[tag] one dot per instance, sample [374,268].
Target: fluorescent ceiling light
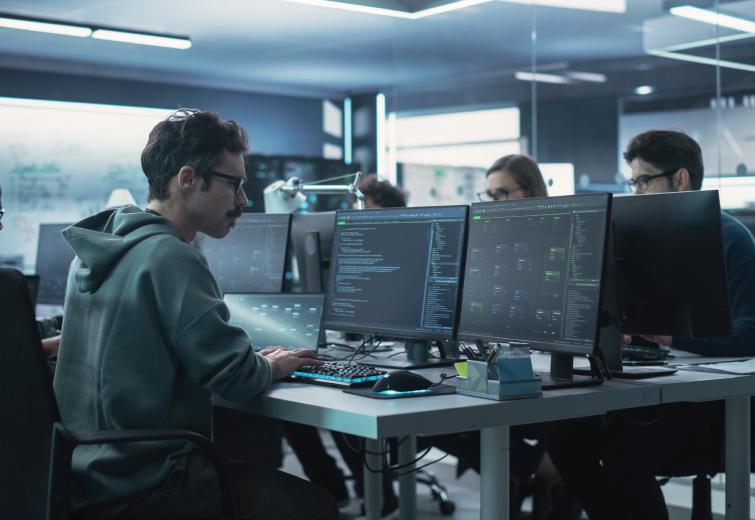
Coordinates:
[85,107]
[614,6]
[610,6]
[54,28]
[591,77]
[724,20]
[141,39]
[644,90]
[544,78]
[705,61]
[391,12]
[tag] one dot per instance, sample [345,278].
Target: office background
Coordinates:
[427,101]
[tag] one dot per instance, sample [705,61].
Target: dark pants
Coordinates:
[192,491]
[632,455]
[318,465]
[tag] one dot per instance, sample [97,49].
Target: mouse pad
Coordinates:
[367,392]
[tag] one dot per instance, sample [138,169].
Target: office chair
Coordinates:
[35,446]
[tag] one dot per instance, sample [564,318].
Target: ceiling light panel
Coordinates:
[141,39]
[711,17]
[543,78]
[53,28]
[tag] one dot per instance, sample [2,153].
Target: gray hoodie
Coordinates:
[145,344]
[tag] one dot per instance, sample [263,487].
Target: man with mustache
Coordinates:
[146,340]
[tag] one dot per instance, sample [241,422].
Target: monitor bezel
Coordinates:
[398,332]
[544,346]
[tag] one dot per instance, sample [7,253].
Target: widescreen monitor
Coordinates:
[397,271]
[289,320]
[252,258]
[534,272]
[54,257]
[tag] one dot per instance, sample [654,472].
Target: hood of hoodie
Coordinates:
[100,240]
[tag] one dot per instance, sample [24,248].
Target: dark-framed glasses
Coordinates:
[641,182]
[238,182]
[499,194]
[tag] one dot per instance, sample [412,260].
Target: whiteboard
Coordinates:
[60,161]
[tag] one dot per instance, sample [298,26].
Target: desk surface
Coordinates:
[330,408]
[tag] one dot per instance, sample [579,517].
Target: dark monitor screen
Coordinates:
[670,267]
[252,258]
[397,271]
[54,257]
[534,271]
[313,257]
[290,320]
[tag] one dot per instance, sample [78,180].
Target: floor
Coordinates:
[464,492]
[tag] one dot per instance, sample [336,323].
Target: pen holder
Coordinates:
[477,376]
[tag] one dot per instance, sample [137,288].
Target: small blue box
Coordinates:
[515,369]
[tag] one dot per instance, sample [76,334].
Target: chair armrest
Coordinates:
[65,441]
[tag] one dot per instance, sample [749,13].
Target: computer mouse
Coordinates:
[400,381]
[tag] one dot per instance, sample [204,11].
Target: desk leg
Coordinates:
[494,473]
[738,458]
[373,482]
[407,484]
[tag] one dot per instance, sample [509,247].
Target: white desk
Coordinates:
[379,419]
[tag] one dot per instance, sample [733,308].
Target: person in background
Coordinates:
[49,345]
[611,465]
[146,340]
[380,194]
[513,177]
[518,177]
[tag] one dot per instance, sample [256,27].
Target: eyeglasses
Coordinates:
[641,182]
[238,182]
[499,194]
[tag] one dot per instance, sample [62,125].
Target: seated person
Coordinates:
[146,340]
[49,345]
[612,467]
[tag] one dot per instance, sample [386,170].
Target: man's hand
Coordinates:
[663,341]
[283,362]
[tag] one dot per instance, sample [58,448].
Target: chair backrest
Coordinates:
[28,408]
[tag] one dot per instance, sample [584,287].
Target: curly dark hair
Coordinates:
[667,150]
[382,193]
[188,137]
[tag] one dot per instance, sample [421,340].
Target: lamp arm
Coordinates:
[294,186]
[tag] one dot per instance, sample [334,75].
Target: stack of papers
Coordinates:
[736,367]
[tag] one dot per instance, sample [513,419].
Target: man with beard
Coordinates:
[146,340]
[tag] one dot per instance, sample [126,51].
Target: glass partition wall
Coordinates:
[568,82]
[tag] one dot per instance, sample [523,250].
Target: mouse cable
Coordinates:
[362,449]
[443,377]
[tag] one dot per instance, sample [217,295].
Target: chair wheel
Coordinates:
[447,507]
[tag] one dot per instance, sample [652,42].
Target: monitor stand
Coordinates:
[562,373]
[416,357]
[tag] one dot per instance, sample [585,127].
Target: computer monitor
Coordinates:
[252,258]
[397,272]
[54,257]
[670,266]
[312,237]
[535,269]
[289,320]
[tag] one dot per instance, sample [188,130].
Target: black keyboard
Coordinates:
[638,353]
[341,375]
